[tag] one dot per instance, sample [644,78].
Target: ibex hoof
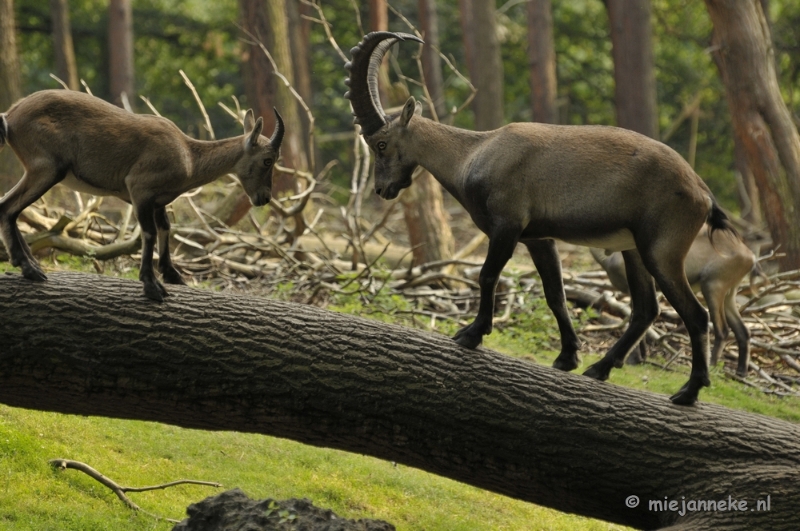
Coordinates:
[566,362]
[155,291]
[468,337]
[171,276]
[598,371]
[33,272]
[687,395]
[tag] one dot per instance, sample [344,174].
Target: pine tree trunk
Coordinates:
[486,71]
[743,52]
[542,61]
[634,70]
[431,62]
[93,345]
[10,89]
[120,50]
[66,67]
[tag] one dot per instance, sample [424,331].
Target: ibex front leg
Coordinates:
[501,246]
[165,266]
[145,213]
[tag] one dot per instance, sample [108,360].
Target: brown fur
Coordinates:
[92,146]
[716,269]
[534,183]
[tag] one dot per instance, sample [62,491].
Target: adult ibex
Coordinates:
[91,146]
[535,183]
[716,269]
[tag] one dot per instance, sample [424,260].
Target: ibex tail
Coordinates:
[3,130]
[718,219]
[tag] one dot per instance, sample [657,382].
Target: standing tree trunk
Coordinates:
[486,70]
[743,52]
[379,21]
[634,72]
[542,61]
[10,89]
[429,233]
[92,345]
[259,86]
[300,34]
[66,67]
[431,62]
[120,50]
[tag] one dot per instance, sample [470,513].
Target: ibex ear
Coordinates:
[409,110]
[252,129]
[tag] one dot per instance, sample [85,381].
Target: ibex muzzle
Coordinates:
[534,183]
[92,146]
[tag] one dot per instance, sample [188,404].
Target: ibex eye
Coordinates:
[381,146]
[267,162]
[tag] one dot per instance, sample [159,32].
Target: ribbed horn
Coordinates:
[277,136]
[363,81]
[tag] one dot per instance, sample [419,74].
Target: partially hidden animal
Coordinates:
[715,269]
[535,183]
[91,146]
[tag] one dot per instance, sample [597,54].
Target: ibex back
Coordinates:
[535,183]
[92,146]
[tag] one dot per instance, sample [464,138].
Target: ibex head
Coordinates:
[260,154]
[385,134]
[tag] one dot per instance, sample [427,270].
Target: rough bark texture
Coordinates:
[542,61]
[429,234]
[10,89]
[634,72]
[66,67]
[743,52]
[486,70]
[120,50]
[93,345]
[431,62]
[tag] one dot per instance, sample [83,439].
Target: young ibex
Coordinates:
[536,183]
[716,269]
[91,146]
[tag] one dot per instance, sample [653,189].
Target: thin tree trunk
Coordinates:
[92,345]
[634,71]
[66,67]
[300,33]
[428,226]
[379,21]
[10,89]
[466,14]
[120,50]
[749,198]
[431,62]
[487,68]
[744,54]
[542,61]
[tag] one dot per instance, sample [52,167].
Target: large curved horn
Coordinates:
[363,81]
[277,136]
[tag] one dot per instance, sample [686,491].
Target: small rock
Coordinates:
[233,511]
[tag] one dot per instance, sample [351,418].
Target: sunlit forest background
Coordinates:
[205,39]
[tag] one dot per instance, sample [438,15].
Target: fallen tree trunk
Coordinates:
[93,345]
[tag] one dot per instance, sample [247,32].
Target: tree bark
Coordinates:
[120,50]
[486,70]
[10,89]
[429,233]
[66,67]
[92,345]
[542,61]
[634,70]
[744,55]
[431,62]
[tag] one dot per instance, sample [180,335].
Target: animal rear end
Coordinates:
[3,130]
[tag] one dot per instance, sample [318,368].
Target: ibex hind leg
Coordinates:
[34,183]
[153,289]
[548,264]
[668,271]
[165,265]
[644,310]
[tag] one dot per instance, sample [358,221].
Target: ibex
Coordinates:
[535,183]
[716,269]
[91,146]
